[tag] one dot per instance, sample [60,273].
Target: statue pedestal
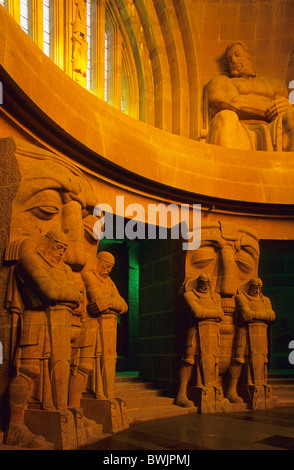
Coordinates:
[57,427]
[112,414]
[258,397]
[210,400]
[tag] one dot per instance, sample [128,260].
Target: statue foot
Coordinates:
[20,436]
[184,402]
[100,396]
[234,398]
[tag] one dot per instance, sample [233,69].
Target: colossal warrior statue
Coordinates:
[203,342]
[230,255]
[255,313]
[104,305]
[46,297]
[248,111]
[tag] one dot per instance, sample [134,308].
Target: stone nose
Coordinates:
[72,225]
[226,284]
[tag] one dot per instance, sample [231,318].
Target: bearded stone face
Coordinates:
[239,62]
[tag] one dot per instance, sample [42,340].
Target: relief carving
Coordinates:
[79,42]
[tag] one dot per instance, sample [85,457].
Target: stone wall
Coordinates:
[276,269]
[161,275]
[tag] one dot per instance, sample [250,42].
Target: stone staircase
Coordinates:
[282,390]
[144,401]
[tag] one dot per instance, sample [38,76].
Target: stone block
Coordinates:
[57,427]
[112,414]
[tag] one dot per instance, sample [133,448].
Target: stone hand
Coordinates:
[99,306]
[247,315]
[276,108]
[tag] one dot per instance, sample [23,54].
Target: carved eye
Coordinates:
[245,261]
[44,212]
[203,263]
[203,257]
[245,267]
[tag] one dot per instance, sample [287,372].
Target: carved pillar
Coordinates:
[79,42]
[99,58]
[115,78]
[36,21]
[13,7]
[58,44]
[68,20]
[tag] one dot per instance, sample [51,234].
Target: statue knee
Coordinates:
[288,120]
[85,368]
[30,370]
[227,117]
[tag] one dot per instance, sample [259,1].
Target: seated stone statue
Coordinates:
[249,111]
[255,313]
[49,296]
[202,346]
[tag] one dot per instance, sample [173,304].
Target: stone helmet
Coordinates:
[256,281]
[204,277]
[106,256]
[57,235]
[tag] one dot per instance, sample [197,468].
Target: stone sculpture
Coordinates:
[48,296]
[203,344]
[230,255]
[80,45]
[94,352]
[255,313]
[104,304]
[248,111]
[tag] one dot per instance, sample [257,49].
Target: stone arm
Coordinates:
[102,299]
[200,312]
[267,314]
[249,314]
[223,95]
[38,280]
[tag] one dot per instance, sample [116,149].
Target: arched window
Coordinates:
[107,59]
[24,15]
[46,27]
[90,37]
[109,73]
[91,41]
